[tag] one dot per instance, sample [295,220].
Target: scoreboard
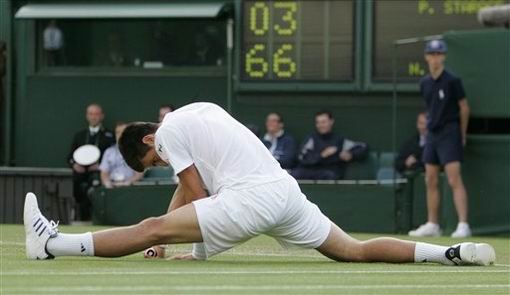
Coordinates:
[318,41]
[400,19]
[308,40]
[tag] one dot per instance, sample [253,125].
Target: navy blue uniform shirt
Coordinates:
[442,98]
[284,150]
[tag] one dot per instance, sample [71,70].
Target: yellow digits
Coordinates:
[254,10]
[280,61]
[256,66]
[288,18]
[415,69]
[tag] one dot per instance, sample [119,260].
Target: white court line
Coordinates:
[243,272]
[504,265]
[8,243]
[68,289]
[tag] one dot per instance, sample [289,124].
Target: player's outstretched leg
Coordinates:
[342,247]
[43,240]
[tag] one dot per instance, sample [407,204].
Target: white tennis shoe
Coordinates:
[471,254]
[38,229]
[462,231]
[426,230]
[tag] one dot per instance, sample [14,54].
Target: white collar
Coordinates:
[270,137]
[94,130]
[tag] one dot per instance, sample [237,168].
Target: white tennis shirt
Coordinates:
[225,152]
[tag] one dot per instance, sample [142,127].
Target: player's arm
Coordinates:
[178,200]
[191,184]
[464,118]
[189,189]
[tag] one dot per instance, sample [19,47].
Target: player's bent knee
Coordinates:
[154,230]
[358,253]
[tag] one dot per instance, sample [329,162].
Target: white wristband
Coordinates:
[199,251]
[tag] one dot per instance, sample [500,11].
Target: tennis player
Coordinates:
[231,189]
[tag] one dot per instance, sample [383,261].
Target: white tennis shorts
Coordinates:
[278,209]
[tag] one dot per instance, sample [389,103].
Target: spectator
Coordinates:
[281,144]
[114,170]
[448,115]
[410,153]
[324,154]
[53,42]
[163,110]
[86,176]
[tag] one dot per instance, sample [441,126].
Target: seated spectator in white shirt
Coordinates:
[114,170]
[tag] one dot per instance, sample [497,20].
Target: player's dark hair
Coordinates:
[324,112]
[131,146]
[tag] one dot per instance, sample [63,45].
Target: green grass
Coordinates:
[259,266]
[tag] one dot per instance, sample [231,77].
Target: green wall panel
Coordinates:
[359,116]
[54,108]
[482,60]
[486,175]
[5,104]
[343,204]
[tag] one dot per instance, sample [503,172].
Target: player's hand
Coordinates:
[78,168]
[184,257]
[410,161]
[330,150]
[154,252]
[464,140]
[346,156]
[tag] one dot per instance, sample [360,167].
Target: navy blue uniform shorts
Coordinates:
[444,146]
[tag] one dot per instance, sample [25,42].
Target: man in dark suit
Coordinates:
[409,157]
[325,154]
[86,176]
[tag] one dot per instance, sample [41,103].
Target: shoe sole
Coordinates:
[485,254]
[477,254]
[32,242]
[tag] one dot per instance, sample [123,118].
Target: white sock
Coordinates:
[424,252]
[463,225]
[71,245]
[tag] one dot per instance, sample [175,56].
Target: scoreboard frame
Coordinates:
[300,86]
[369,83]
[363,63]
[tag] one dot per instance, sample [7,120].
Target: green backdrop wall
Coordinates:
[482,60]
[54,108]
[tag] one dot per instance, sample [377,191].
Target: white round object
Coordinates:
[87,154]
